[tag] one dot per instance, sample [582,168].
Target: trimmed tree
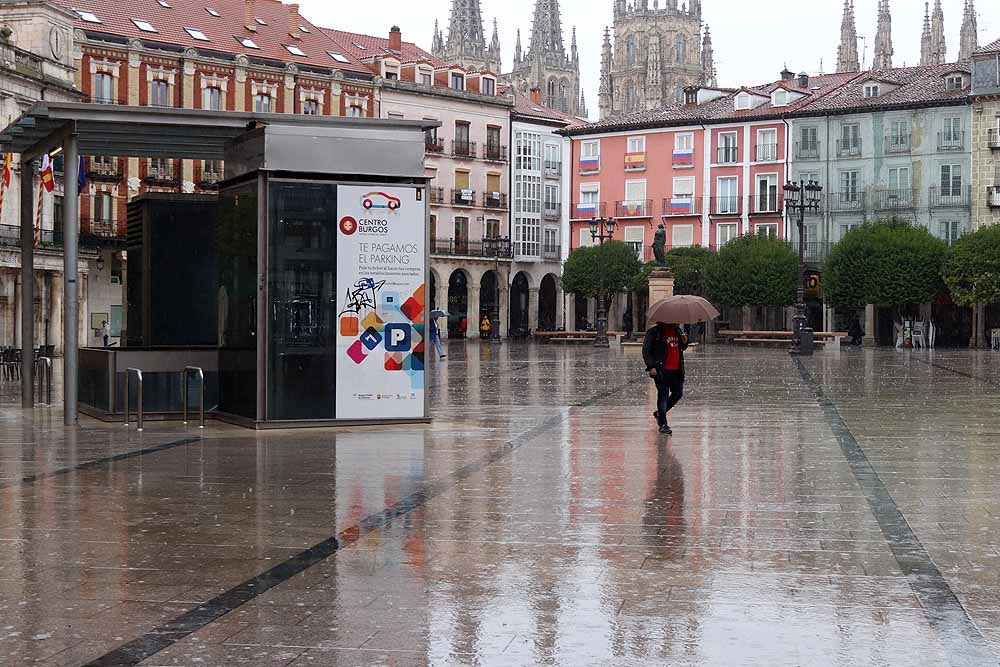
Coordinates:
[972,270]
[753,271]
[610,268]
[888,263]
[687,265]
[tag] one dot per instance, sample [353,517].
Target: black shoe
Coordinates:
[665,428]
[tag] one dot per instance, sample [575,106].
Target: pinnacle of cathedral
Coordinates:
[926,55]
[546,32]
[517,49]
[970,31]
[605,93]
[574,52]
[939,48]
[708,77]
[883,38]
[437,44]
[847,53]
[582,109]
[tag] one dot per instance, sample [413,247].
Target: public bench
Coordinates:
[569,337]
[777,337]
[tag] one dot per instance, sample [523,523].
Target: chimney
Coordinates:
[536,96]
[293,22]
[250,15]
[803,80]
[787,74]
[396,38]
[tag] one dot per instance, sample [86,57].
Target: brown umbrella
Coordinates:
[681,310]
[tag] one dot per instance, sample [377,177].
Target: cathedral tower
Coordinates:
[546,65]
[466,43]
[970,31]
[883,38]
[847,53]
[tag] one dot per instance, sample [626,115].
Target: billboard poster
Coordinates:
[380,302]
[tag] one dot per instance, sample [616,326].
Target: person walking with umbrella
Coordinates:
[664,346]
[436,332]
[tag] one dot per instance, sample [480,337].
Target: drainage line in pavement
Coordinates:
[963,642]
[148,645]
[971,376]
[99,463]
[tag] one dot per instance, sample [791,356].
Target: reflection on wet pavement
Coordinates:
[841,512]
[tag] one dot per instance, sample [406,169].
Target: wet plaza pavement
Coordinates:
[841,510]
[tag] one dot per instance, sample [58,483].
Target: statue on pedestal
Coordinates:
[660,246]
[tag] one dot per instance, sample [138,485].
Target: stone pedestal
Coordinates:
[869,325]
[661,284]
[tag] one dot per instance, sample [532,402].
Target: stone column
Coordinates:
[560,313]
[569,303]
[473,312]
[533,308]
[504,324]
[869,324]
[441,298]
[56,313]
[18,303]
[84,311]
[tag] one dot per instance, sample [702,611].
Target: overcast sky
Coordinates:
[753,40]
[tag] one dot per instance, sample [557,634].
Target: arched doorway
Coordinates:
[489,292]
[434,291]
[458,304]
[548,304]
[582,309]
[519,305]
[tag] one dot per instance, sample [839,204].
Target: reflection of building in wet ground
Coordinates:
[838,512]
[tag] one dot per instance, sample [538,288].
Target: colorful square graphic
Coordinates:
[356,353]
[398,337]
[371,339]
[349,326]
[372,321]
[391,301]
[413,309]
[393,362]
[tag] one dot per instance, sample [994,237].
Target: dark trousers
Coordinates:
[669,392]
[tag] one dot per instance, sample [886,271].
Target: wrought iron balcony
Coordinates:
[897,144]
[494,152]
[100,233]
[847,202]
[893,200]
[953,197]
[494,200]
[463,149]
[728,155]
[551,252]
[731,205]
[951,141]
[434,144]
[465,248]
[105,171]
[589,210]
[436,195]
[10,237]
[552,210]
[463,197]
[848,148]
[993,196]
[681,206]
[993,138]
[772,204]
[807,150]
[766,152]
[553,168]
[634,208]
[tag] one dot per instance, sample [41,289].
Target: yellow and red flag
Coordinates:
[47,176]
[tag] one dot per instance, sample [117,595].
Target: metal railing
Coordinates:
[43,375]
[634,208]
[434,145]
[589,210]
[897,143]
[201,393]
[494,152]
[852,201]
[807,150]
[466,149]
[128,376]
[993,196]
[731,205]
[958,197]
[848,148]
[10,236]
[436,195]
[674,207]
[552,210]
[553,168]
[893,200]
[951,141]
[766,152]
[464,248]
[993,138]
[728,155]
[551,252]
[495,200]
[462,197]
[771,204]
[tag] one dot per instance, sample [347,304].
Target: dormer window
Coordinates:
[872,90]
[489,87]
[426,77]
[145,26]
[954,82]
[779,98]
[457,81]
[691,96]
[743,102]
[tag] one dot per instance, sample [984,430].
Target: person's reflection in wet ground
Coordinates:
[663,522]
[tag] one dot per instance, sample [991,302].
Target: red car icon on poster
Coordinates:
[380,200]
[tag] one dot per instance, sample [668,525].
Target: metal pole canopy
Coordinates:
[27,285]
[71,304]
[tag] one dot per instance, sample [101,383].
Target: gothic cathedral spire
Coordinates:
[605,93]
[546,30]
[883,38]
[939,48]
[970,31]
[466,44]
[546,65]
[926,51]
[708,77]
[847,53]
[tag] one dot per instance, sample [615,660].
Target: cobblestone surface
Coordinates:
[838,511]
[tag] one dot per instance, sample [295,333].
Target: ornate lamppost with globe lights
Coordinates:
[799,198]
[601,230]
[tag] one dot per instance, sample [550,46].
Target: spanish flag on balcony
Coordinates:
[683,158]
[635,161]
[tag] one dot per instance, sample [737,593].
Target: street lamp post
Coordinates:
[799,198]
[496,247]
[602,229]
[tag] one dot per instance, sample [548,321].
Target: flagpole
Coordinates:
[38,216]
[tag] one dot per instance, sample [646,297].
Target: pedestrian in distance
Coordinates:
[485,328]
[627,323]
[106,333]
[436,338]
[663,351]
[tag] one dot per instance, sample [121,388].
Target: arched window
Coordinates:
[631,96]
[680,49]
[552,94]
[562,96]
[631,50]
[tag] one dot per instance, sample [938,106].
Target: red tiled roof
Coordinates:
[379,46]
[989,48]
[523,106]
[222,31]
[914,85]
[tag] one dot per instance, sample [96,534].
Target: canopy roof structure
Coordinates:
[150,132]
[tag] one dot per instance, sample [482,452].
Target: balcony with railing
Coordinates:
[553,168]
[681,206]
[766,152]
[495,200]
[98,233]
[893,200]
[993,139]
[463,149]
[852,201]
[951,141]
[728,155]
[463,197]
[162,175]
[10,237]
[494,152]
[552,210]
[635,161]
[727,206]
[104,170]
[953,197]
[770,204]
[487,248]
[436,195]
[589,210]
[634,208]
[552,252]
[896,144]
[848,148]
[21,61]
[434,144]
[993,196]
[807,150]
